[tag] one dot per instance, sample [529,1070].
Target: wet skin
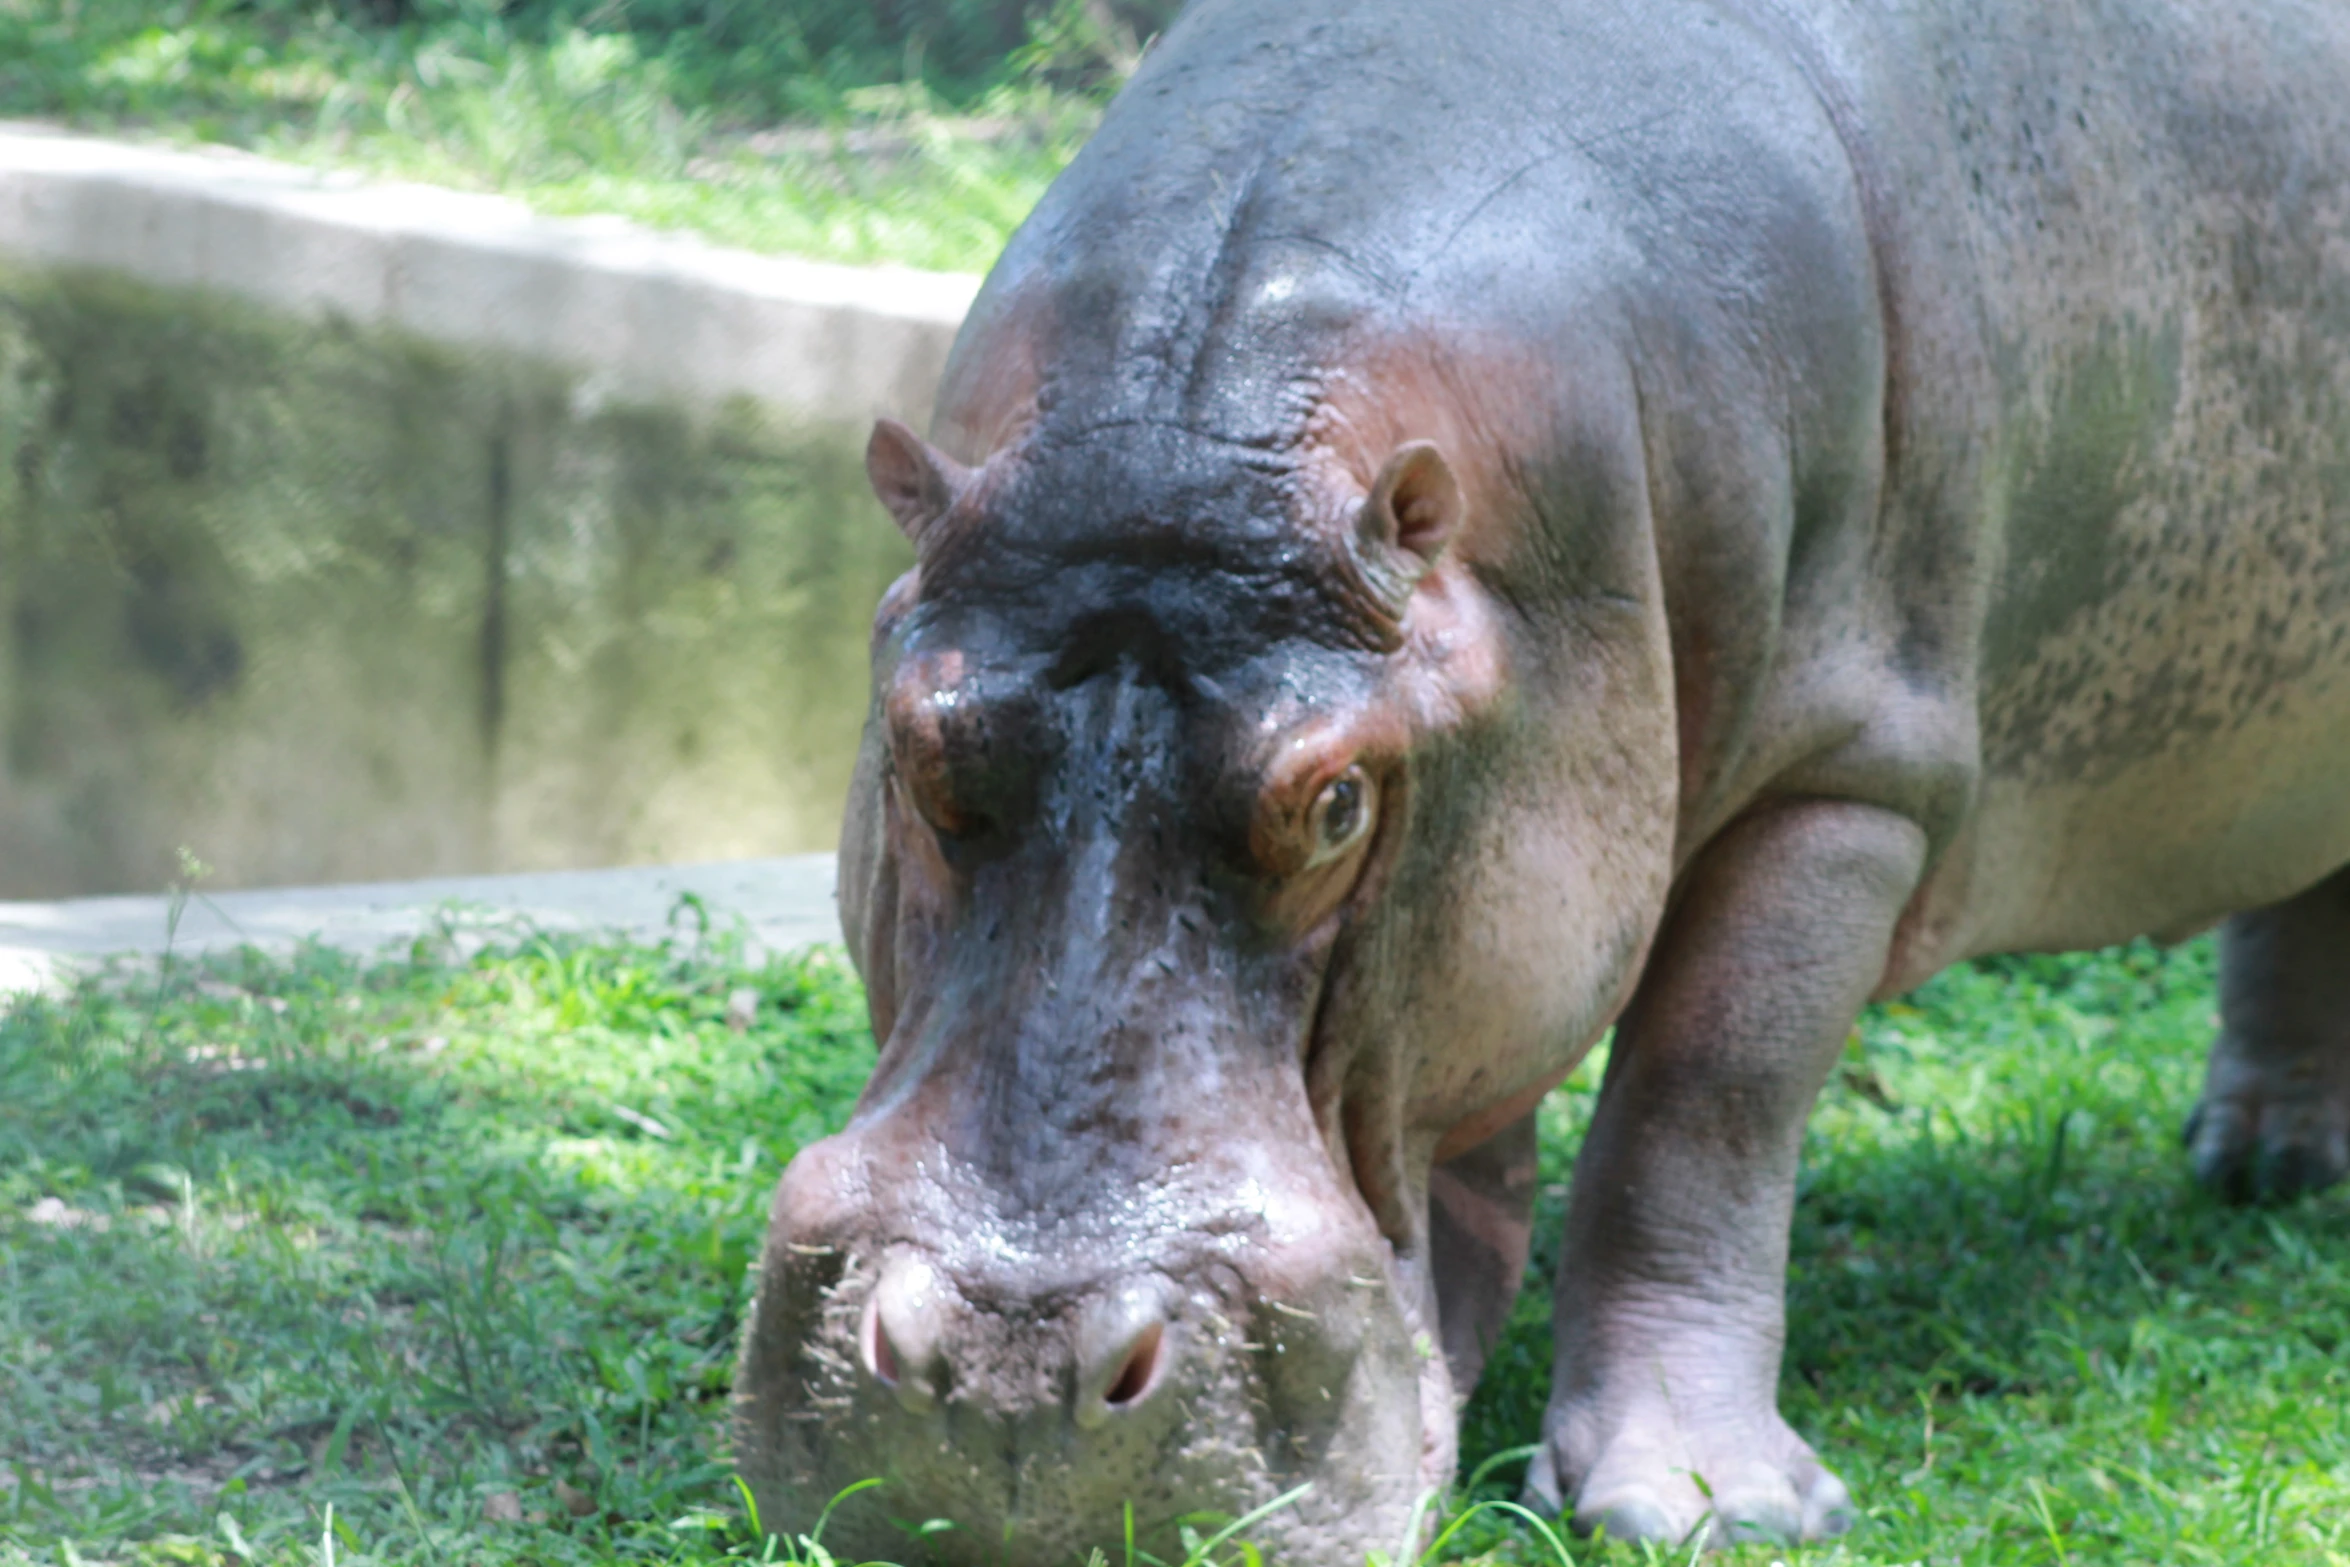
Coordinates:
[1457,526]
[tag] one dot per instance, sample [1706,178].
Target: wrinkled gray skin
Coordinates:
[1462,522]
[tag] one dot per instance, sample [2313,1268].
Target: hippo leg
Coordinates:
[1480,1224]
[1671,1301]
[2275,1117]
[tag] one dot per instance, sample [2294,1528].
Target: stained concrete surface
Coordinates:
[324,604]
[350,533]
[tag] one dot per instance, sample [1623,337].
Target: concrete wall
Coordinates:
[348,535]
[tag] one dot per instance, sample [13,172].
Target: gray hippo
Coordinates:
[1462,523]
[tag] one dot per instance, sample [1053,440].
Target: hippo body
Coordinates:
[1457,526]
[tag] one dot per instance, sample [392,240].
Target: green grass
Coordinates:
[2015,1327]
[751,140]
[456,1247]
[408,1239]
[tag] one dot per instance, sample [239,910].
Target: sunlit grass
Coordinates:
[568,118]
[456,1246]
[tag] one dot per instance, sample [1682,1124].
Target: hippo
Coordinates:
[1462,525]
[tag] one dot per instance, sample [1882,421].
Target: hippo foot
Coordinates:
[1648,1480]
[2267,1137]
[2275,1116]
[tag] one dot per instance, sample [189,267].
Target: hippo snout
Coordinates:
[1033,1384]
[1112,1343]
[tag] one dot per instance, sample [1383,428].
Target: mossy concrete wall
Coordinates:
[322,600]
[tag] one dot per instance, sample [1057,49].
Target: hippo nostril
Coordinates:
[880,1358]
[1123,1353]
[1141,1366]
[903,1338]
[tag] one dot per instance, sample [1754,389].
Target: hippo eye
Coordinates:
[935,803]
[1341,815]
[929,723]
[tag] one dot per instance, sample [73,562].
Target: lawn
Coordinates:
[441,1259]
[808,128]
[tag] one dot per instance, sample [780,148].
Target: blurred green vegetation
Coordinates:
[856,130]
[455,1246]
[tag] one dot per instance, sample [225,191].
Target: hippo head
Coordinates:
[1178,756]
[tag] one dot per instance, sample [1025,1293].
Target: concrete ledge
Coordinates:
[782,903]
[367,531]
[661,316]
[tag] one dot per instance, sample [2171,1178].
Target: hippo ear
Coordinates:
[1411,514]
[914,479]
